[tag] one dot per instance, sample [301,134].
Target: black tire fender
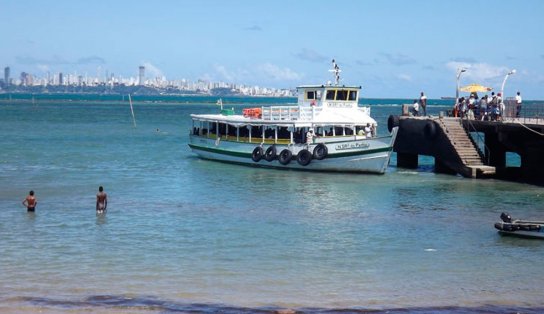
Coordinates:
[270,153]
[320,151]
[430,130]
[285,157]
[257,154]
[304,157]
[392,122]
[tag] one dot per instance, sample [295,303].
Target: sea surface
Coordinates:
[185,235]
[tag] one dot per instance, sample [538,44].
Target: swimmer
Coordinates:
[101,201]
[30,202]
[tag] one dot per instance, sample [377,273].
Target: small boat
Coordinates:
[520,228]
[326,131]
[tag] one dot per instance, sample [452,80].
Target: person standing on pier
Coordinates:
[423,101]
[518,104]
[415,108]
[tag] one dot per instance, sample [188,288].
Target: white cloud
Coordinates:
[310,55]
[258,73]
[404,77]
[43,67]
[276,73]
[224,73]
[152,70]
[479,72]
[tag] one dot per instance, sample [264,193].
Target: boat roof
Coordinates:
[328,87]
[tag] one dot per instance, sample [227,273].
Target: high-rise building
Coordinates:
[61,79]
[6,76]
[141,75]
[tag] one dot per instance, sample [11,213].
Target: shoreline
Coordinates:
[153,304]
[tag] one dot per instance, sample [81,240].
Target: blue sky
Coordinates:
[391,48]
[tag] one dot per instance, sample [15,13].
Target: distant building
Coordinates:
[26,79]
[141,75]
[6,76]
[61,79]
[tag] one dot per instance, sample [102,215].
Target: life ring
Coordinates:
[320,151]
[304,157]
[257,154]
[285,157]
[313,103]
[270,153]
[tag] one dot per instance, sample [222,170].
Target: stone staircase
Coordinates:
[465,147]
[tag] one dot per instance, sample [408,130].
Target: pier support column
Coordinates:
[531,164]
[497,151]
[405,160]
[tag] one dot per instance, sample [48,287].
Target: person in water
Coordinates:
[101,201]
[30,202]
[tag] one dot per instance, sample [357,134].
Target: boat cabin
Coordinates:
[328,96]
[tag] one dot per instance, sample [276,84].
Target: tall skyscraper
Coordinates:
[141,75]
[6,76]
[61,79]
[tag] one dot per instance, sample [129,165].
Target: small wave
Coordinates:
[150,303]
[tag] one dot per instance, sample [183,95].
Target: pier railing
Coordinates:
[529,113]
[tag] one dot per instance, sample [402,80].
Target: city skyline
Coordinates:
[25,79]
[391,48]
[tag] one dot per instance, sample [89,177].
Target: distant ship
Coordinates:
[447,98]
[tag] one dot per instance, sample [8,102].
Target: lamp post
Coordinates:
[459,71]
[504,82]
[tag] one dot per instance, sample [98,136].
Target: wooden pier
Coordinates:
[472,148]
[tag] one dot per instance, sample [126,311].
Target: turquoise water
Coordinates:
[183,234]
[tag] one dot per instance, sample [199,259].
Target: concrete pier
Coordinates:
[471,148]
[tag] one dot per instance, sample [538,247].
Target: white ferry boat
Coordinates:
[326,131]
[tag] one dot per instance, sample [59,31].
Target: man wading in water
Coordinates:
[30,202]
[101,201]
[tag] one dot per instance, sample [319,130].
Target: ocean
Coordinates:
[185,235]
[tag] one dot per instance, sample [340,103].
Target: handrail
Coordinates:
[487,151]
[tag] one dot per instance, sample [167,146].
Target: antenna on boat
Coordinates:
[336,70]
[131,110]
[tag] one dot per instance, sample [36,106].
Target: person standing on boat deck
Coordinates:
[518,104]
[423,101]
[30,202]
[310,137]
[368,130]
[101,201]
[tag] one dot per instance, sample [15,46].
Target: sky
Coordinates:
[393,49]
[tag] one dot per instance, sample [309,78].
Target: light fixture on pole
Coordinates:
[504,82]
[459,71]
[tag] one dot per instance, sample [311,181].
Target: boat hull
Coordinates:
[357,155]
[523,234]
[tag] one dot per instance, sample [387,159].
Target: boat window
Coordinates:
[352,95]
[310,95]
[330,94]
[342,95]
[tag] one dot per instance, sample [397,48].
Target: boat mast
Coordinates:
[336,70]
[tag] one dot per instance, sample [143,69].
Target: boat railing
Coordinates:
[276,113]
